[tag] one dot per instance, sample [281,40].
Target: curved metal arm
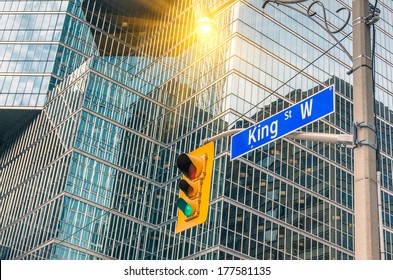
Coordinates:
[282,2]
[310,15]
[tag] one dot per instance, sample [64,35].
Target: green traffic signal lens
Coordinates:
[184,207]
[188,210]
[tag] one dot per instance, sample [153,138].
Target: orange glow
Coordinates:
[206,27]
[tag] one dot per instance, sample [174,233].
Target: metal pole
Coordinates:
[365,173]
[381,241]
[341,139]
[220,135]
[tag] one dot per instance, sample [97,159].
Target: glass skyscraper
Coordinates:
[98,98]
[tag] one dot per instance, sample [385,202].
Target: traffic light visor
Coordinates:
[189,188]
[190,166]
[186,208]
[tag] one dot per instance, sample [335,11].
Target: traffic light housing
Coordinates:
[193,201]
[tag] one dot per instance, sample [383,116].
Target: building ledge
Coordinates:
[13,118]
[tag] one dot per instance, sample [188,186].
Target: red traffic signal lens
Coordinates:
[186,166]
[192,171]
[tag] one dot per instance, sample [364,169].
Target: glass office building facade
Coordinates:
[126,86]
[38,49]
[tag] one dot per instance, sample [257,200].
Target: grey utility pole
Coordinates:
[365,171]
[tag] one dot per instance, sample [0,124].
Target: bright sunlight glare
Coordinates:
[205,27]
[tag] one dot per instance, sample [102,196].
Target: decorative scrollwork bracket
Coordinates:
[310,14]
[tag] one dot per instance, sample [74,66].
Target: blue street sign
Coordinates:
[292,118]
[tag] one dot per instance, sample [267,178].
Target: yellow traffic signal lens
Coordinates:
[190,189]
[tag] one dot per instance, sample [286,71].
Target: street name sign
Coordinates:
[277,126]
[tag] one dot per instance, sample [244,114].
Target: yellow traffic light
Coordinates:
[193,203]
